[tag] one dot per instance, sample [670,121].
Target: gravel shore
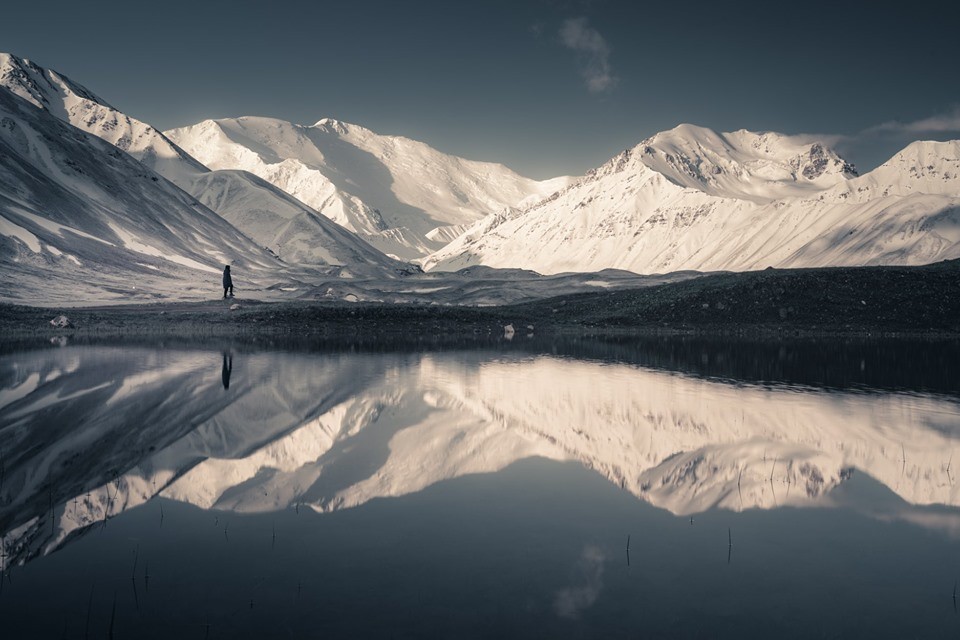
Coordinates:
[864,301]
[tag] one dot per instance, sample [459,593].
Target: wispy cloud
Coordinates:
[871,146]
[942,123]
[570,602]
[594,52]
[829,139]
[892,130]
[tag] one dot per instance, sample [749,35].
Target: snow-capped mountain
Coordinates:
[685,199]
[402,196]
[79,220]
[691,198]
[289,431]
[744,165]
[269,216]
[922,167]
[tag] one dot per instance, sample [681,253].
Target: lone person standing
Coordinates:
[227,282]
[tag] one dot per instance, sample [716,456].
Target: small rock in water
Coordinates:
[61,322]
[234,307]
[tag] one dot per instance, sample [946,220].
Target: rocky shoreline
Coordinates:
[864,301]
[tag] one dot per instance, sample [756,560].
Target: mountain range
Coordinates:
[400,195]
[272,218]
[691,198]
[79,219]
[153,215]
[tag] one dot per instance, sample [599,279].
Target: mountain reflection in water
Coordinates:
[532,489]
[90,432]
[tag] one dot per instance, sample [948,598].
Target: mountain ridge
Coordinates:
[767,165]
[393,191]
[261,211]
[649,211]
[79,218]
[686,199]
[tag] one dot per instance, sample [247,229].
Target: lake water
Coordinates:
[647,488]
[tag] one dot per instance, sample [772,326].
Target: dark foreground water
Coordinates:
[675,488]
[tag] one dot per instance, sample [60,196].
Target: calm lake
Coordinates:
[653,488]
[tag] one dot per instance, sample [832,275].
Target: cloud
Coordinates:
[594,52]
[872,146]
[942,123]
[946,523]
[570,602]
[828,139]
[892,131]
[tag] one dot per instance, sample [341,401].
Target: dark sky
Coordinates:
[546,87]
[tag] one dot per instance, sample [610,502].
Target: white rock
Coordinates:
[234,307]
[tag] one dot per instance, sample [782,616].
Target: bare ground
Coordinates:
[890,301]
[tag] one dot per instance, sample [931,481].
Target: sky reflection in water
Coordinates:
[233,492]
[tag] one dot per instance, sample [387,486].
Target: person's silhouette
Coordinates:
[227,282]
[227,369]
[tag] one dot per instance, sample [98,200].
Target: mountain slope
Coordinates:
[266,214]
[401,195]
[290,229]
[81,220]
[694,200]
[922,167]
[761,167]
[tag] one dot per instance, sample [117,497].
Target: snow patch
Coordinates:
[10,229]
[57,228]
[132,243]
[10,395]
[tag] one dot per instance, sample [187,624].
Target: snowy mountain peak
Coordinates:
[73,103]
[928,154]
[333,125]
[81,220]
[760,167]
[401,195]
[266,214]
[922,167]
[692,198]
[43,88]
[932,167]
[687,134]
